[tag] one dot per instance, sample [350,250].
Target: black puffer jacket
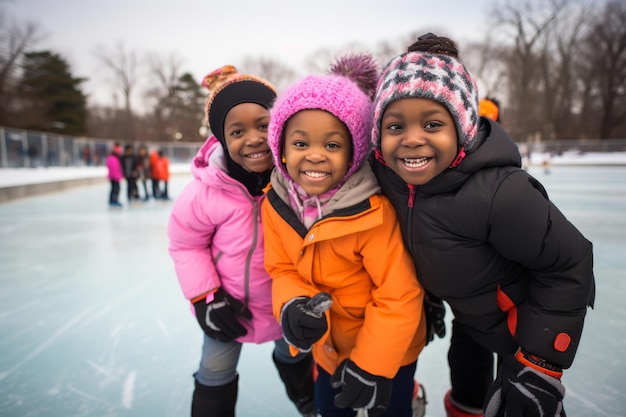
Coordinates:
[486,239]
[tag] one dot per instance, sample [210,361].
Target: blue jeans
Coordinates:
[218,365]
[399,404]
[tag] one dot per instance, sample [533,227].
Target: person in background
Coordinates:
[216,242]
[115,174]
[489,107]
[129,167]
[87,155]
[153,160]
[162,175]
[143,169]
[328,230]
[485,237]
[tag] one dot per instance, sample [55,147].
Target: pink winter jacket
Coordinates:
[216,239]
[114,167]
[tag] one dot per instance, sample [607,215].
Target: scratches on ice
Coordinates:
[89,396]
[163,329]
[128,392]
[76,321]
[101,370]
[82,318]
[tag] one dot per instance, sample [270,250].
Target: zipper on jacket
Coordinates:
[255,238]
[256,223]
[409,222]
[411,200]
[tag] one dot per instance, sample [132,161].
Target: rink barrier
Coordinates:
[14,192]
[17,183]
[32,149]
[26,149]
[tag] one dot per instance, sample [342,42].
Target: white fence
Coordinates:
[31,149]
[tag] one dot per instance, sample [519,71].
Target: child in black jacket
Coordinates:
[484,236]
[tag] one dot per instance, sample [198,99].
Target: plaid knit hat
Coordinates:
[436,77]
[228,88]
[346,92]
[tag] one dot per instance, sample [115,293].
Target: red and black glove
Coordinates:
[218,318]
[526,386]
[360,389]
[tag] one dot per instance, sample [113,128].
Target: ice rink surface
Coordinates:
[93,322]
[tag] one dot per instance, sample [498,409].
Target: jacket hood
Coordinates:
[494,148]
[360,186]
[209,160]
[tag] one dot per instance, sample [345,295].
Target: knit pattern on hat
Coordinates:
[220,78]
[340,95]
[436,77]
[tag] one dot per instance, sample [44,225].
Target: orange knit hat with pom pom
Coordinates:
[228,88]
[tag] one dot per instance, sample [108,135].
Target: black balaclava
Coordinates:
[245,91]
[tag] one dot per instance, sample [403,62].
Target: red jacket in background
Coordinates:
[159,166]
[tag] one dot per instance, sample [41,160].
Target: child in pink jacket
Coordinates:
[216,242]
[115,174]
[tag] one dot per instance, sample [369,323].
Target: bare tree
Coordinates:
[385,50]
[319,61]
[487,60]
[164,72]
[525,24]
[557,73]
[122,64]
[277,73]
[603,71]
[15,39]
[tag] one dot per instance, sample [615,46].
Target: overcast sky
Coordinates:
[208,34]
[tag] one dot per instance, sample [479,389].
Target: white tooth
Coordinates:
[416,163]
[256,155]
[315,174]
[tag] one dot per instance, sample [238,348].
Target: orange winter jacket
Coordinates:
[357,255]
[160,167]
[154,159]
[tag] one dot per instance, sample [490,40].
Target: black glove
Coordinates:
[302,325]
[522,391]
[435,312]
[361,389]
[218,318]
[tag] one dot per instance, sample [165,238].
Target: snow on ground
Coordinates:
[20,176]
[10,177]
[577,158]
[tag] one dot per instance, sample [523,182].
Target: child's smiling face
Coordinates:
[418,139]
[317,149]
[245,132]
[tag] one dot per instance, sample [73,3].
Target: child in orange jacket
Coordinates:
[328,229]
[160,169]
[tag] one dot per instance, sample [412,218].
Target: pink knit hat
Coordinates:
[346,92]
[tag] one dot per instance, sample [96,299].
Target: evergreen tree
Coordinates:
[51,98]
[178,112]
[190,100]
